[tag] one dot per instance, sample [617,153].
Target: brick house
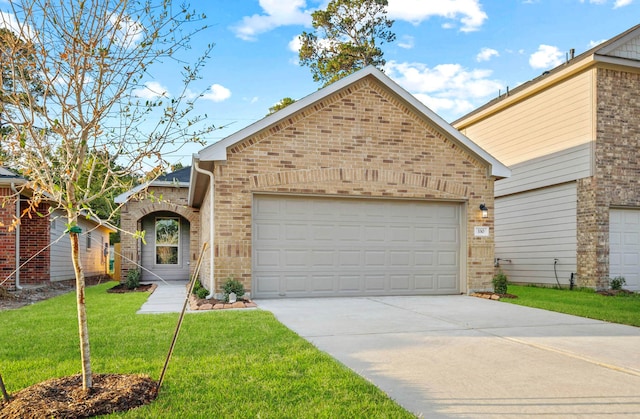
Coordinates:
[32,253]
[356,189]
[164,256]
[572,139]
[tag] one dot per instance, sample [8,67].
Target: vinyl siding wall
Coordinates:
[549,122]
[553,169]
[93,260]
[534,228]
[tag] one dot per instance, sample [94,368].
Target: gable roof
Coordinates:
[178,179]
[218,151]
[623,49]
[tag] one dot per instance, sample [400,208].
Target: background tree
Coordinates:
[346,38]
[284,102]
[82,136]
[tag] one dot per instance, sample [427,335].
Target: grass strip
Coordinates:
[584,302]
[231,364]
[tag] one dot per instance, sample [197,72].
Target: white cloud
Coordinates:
[217,93]
[9,21]
[295,44]
[622,3]
[595,43]
[151,90]
[616,3]
[128,31]
[276,13]
[546,57]
[447,88]
[468,12]
[486,54]
[407,42]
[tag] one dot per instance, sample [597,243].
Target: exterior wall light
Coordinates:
[485,211]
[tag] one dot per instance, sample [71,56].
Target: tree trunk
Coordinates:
[87,378]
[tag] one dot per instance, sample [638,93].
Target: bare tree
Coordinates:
[85,131]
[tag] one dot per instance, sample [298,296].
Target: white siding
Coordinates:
[548,122]
[93,260]
[624,246]
[534,228]
[553,169]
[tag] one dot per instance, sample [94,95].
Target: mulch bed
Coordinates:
[64,397]
[613,293]
[122,288]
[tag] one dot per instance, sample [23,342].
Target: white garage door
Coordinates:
[624,246]
[307,247]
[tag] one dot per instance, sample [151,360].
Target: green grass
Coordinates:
[226,364]
[624,309]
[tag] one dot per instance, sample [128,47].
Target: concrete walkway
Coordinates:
[466,357]
[168,297]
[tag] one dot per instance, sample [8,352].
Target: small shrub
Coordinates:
[232,286]
[617,282]
[133,278]
[199,290]
[500,283]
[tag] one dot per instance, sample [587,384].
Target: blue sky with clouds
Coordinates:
[453,55]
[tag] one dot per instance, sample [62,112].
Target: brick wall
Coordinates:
[7,238]
[34,236]
[617,178]
[361,141]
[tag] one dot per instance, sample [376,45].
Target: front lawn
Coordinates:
[624,309]
[226,364]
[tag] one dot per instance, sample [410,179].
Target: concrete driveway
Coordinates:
[459,356]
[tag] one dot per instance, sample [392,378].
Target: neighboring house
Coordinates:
[169,250]
[572,140]
[33,246]
[357,189]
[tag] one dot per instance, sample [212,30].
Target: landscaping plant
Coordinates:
[232,286]
[500,283]
[617,282]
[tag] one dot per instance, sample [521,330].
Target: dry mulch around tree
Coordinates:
[492,295]
[64,397]
[122,288]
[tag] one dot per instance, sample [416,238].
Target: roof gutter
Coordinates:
[17,250]
[212,283]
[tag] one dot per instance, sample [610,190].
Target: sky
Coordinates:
[453,55]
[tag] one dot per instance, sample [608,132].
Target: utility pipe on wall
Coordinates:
[212,287]
[17,251]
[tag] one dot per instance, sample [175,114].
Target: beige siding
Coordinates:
[553,169]
[534,228]
[93,260]
[553,120]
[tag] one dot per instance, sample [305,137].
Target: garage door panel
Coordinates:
[267,258]
[624,246]
[349,283]
[425,283]
[328,247]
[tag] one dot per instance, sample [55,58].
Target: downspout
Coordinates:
[17,252]
[211,230]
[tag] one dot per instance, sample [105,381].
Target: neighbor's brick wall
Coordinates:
[167,198]
[34,236]
[617,177]
[360,141]
[7,238]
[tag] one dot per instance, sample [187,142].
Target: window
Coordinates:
[89,240]
[167,241]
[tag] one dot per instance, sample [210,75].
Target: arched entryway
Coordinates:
[165,255]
